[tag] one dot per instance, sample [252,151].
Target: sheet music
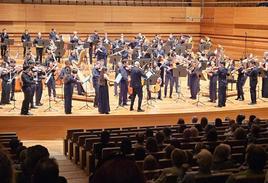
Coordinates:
[118,78]
[149,74]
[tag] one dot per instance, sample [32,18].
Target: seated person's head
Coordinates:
[151,145]
[46,170]
[256,158]
[150,163]
[240,119]
[198,147]
[149,133]
[175,142]
[160,137]
[6,172]
[255,130]
[221,153]
[34,154]
[118,170]
[139,153]
[168,150]
[140,138]
[240,134]
[167,132]
[105,137]
[204,161]
[218,122]
[181,121]
[181,128]
[178,157]
[126,146]
[204,122]
[194,120]
[194,131]
[212,135]
[251,118]
[187,133]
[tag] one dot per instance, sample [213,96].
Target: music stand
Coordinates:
[14,102]
[202,78]
[180,72]
[9,42]
[151,80]
[86,106]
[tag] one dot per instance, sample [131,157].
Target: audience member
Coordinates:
[221,158]
[181,121]
[151,145]
[150,163]
[140,140]
[6,171]
[139,153]
[149,133]
[126,146]
[240,119]
[194,120]
[160,137]
[168,150]
[218,122]
[167,133]
[240,134]
[204,122]
[194,132]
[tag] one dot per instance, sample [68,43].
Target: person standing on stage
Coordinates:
[25,38]
[6,84]
[95,78]
[169,80]
[33,86]
[194,79]
[222,82]
[13,80]
[70,78]
[265,78]
[27,82]
[253,73]
[123,84]
[103,99]
[4,37]
[101,54]
[241,80]
[51,83]
[39,45]
[40,75]
[53,35]
[74,39]
[213,78]
[136,74]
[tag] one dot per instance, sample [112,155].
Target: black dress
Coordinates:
[265,85]
[103,100]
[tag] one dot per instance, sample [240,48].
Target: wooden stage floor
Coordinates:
[53,125]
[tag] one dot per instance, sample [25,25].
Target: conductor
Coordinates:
[135,75]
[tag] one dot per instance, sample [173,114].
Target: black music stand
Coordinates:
[27,44]
[180,72]
[14,102]
[150,81]
[50,108]
[86,106]
[9,42]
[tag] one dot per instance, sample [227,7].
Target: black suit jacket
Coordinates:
[136,74]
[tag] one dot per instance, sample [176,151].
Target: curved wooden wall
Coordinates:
[231,26]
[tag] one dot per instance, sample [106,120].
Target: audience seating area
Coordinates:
[85,148]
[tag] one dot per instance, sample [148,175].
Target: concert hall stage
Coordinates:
[53,125]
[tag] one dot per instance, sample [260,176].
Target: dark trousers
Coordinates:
[123,92]
[136,91]
[80,89]
[24,51]
[176,82]
[222,95]
[213,89]
[39,54]
[169,80]
[68,94]
[3,50]
[12,91]
[32,95]
[96,87]
[90,52]
[239,87]
[253,93]
[38,92]
[5,97]
[26,101]
[51,88]
[115,88]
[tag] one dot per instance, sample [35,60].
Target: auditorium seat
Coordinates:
[245,179]
[214,178]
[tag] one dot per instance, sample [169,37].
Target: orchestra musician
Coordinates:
[40,75]
[265,78]
[169,80]
[241,80]
[14,71]
[29,57]
[222,82]
[73,58]
[27,82]
[53,35]
[123,70]
[31,64]
[39,45]
[213,78]
[253,73]
[101,53]
[95,79]
[103,98]
[90,49]
[51,83]
[135,75]
[70,78]
[74,39]
[25,38]
[4,37]
[6,84]
[194,79]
